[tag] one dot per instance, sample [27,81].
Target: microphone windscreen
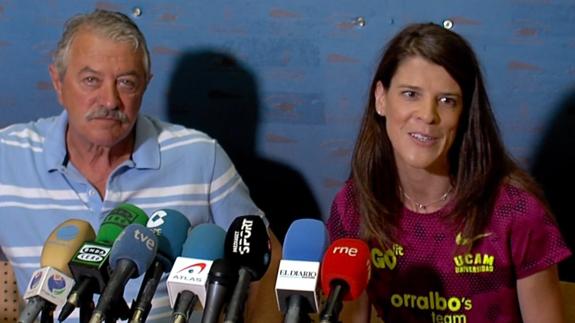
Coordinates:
[248,245]
[171,227]
[223,272]
[63,242]
[115,222]
[205,241]
[305,240]
[346,260]
[136,243]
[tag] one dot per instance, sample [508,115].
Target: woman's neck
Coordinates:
[425,192]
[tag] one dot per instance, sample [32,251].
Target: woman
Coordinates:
[457,231]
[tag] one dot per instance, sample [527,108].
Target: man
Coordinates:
[101,152]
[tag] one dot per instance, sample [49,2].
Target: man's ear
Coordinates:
[149,78]
[380,96]
[56,82]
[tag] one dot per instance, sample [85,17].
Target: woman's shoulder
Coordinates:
[515,202]
[345,199]
[344,219]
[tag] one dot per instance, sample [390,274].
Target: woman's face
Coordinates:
[422,107]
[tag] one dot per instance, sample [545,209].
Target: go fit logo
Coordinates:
[386,259]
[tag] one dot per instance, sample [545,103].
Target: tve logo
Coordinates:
[148,241]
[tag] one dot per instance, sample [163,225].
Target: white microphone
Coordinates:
[50,285]
[297,283]
[187,281]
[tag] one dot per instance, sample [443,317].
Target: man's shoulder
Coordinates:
[170,132]
[31,130]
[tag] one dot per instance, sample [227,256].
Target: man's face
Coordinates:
[102,88]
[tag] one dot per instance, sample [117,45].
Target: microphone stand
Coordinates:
[47,315]
[185,303]
[119,311]
[143,304]
[86,304]
[235,309]
[330,313]
[297,310]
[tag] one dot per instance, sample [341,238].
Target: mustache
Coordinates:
[102,112]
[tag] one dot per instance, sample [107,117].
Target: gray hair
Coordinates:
[112,25]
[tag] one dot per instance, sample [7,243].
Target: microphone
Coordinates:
[89,266]
[187,280]
[344,275]
[51,284]
[297,281]
[171,227]
[222,277]
[131,255]
[248,246]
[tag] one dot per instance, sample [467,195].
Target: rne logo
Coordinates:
[350,251]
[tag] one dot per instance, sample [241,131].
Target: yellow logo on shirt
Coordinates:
[473,262]
[461,241]
[386,259]
[443,309]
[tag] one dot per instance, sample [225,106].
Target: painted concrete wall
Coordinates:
[281,84]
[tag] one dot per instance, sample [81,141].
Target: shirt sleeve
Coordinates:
[343,221]
[2,255]
[229,195]
[536,240]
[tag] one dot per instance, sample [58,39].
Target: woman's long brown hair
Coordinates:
[478,161]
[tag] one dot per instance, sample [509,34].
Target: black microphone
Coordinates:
[89,266]
[248,246]
[130,256]
[222,278]
[171,227]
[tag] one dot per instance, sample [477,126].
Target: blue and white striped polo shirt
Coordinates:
[171,167]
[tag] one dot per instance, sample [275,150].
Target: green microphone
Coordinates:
[117,220]
[89,266]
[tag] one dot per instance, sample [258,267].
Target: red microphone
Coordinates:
[344,275]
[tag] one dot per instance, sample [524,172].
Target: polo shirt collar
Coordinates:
[146,147]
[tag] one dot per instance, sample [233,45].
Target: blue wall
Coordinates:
[282,83]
